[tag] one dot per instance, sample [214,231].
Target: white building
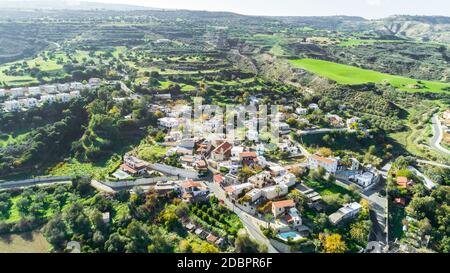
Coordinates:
[94,82]
[288,179]
[17,92]
[252,135]
[329,164]
[284,128]
[76,86]
[346,212]
[280,207]
[167,122]
[260,180]
[34,91]
[313,106]
[277,170]
[28,103]
[293,217]
[235,190]
[63,97]
[48,98]
[65,87]
[50,89]
[74,94]
[11,105]
[301,111]
[2,93]
[275,191]
[235,151]
[254,194]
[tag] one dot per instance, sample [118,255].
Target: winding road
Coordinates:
[247,219]
[438,135]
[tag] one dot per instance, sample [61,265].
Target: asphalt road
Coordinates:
[438,135]
[247,220]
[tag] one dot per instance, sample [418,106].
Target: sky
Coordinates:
[365,8]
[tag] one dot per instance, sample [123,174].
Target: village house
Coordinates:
[235,190]
[219,179]
[252,135]
[335,120]
[2,93]
[261,179]
[106,217]
[168,122]
[74,94]
[17,92]
[280,207]
[133,166]
[330,164]
[205,147]
[94,82]
[190,190]
[277,170]
[301,111]
[365,179]
[221,152]
[313,106]
[200,165]
[248,158]
[235,151]
[284,128]
[254,195]
[50,89]
[346,212]
[48,98]
[12,105]
[76,86]
[28,103]
[275,191]
[230,179]
[63,97]
[64,87]
[34,91]
[404,182]
[287,179]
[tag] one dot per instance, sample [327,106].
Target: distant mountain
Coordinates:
[424,28]
[66,5]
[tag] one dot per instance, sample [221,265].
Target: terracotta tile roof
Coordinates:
[322,159]
[229,189]
[402,179]
[248,154]
[218,178]
[211,238]
[283,204]
[128,169]
[222,148]
[190,184]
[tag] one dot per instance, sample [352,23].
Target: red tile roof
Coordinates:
[248,154]
[128,169]
[211,238]
[218,178]
[190,184]
[222,148]
[322,159]
[283,204]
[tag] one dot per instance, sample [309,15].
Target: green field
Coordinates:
[30,242]
[357,42]
[346,74]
